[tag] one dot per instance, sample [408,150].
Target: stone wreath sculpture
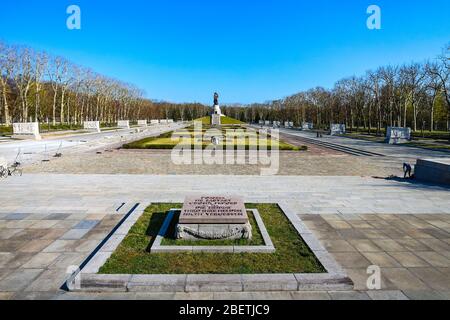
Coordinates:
[245,231]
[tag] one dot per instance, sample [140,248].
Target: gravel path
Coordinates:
[314,162]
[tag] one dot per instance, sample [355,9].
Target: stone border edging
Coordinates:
[268,246]
[89,281]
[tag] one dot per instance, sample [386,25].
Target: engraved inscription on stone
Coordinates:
[213,210]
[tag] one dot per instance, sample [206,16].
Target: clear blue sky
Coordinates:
[248,50]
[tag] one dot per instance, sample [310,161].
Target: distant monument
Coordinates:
[217,113]
[28,130]
[396,135]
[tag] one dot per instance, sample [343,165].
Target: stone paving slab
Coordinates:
[308,195]
[417,241]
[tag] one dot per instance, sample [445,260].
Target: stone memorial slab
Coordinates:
[142,123]
[26,130]
[307,126]
[267,123]
[153,122]
[213,217]
[213,210]
[395,135]
[92,126]
[337,129]
[125,124]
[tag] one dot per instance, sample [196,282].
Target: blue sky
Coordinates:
[249,51]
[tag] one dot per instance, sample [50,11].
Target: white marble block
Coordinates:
[123,124]
[396,135]
[26,130]
[92,126]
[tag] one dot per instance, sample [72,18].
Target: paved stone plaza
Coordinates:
[49,222]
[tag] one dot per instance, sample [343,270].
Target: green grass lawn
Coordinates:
[172,139]
[223,120]
[132,256]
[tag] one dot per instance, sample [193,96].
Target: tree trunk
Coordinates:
[6,108]
[55,95]
[62,115]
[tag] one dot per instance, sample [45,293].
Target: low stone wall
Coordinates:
[433,170]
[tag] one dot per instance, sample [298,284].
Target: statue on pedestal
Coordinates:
[216,109]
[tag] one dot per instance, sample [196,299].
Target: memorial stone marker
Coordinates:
[125,124]
[142,123]
[92,126]
[26,130]
[213,218]
[307,126]
[396,135]
[337,129]
[153,122]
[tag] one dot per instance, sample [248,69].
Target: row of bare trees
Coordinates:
[36,86]
[414,95]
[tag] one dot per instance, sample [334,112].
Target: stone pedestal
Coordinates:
[216,120]
[213,218]
[142,123]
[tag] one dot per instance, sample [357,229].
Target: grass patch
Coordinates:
[170,240]
[132,257]
[223,120]
[172,139]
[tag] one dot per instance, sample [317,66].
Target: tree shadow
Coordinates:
[414,183]
[156,223]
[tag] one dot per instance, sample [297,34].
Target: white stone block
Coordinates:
[124,124]
[26,130]
[92,126]
[396,135]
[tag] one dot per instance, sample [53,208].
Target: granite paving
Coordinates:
[51,222]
